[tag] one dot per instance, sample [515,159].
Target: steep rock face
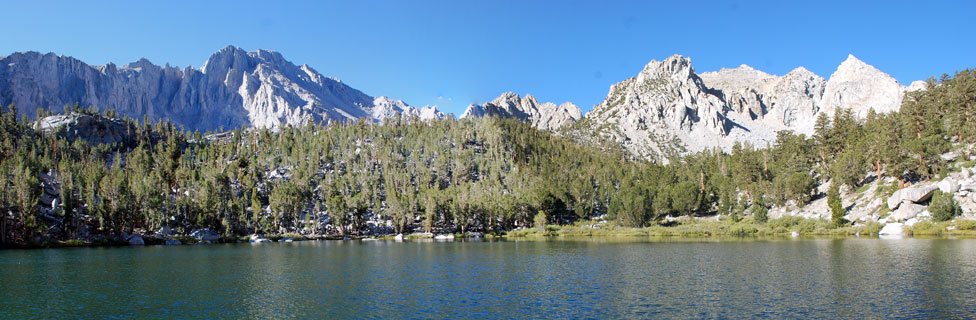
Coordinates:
[668,110]
[859,87]
[662,110]
[792,99]
[545,116]
[797,98]
[233,88]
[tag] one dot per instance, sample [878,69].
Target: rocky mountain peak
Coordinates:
[385,108]
[859,86]
[675,66]
[852,69]
[473,111]
[546,116]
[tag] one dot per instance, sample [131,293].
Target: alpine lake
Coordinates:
[600,278]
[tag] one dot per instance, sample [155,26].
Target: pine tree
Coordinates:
[837,210]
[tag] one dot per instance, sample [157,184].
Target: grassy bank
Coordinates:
[747,227]
[686,228]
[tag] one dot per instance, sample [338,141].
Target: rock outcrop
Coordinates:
[669,110]
[93,129]
[544,116]
[233,88]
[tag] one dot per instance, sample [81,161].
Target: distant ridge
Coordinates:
[233,88]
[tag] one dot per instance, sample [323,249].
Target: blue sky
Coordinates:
[452,53]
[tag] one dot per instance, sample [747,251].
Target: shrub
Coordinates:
[944,207]
[966,224]
[540,221]
[836,207]
[927,228]
[784,224]
[799,187]
[871,228]
[742,230]
[759,211]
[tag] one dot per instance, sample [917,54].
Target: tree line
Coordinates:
[409,175]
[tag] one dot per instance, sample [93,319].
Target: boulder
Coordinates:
[968,187]
[911,222]
[948,185]
[173,242]
[399,237]
[136,240]
[950,156]
[906,211]
[893,229]
[205,235]
[914,194]
[286,240]
[257,239]
[444,237]
[166,232]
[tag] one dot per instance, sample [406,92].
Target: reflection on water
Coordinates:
[605,278]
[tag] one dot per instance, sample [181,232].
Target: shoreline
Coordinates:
[724,231]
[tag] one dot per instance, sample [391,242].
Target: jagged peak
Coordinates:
[141,63]
[235,54]
[673,60]
[224,58]
[384,100]
[229,50]
[853,63]
[739,73]
[571,109]
[272,56]
[852,59]
[430,107]
[473,110]
[508,95]
[800,70]
[852,67]
[675,65]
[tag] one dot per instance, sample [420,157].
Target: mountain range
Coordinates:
[233,88]
[669,110]
[666,110]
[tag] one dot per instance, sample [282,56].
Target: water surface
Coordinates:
[825,278]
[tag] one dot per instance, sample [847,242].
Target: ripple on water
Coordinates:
[839,278]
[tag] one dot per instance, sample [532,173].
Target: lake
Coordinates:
[665,278]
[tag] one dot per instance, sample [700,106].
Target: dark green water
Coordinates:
[850,278]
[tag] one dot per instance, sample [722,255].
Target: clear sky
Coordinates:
[452,53]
